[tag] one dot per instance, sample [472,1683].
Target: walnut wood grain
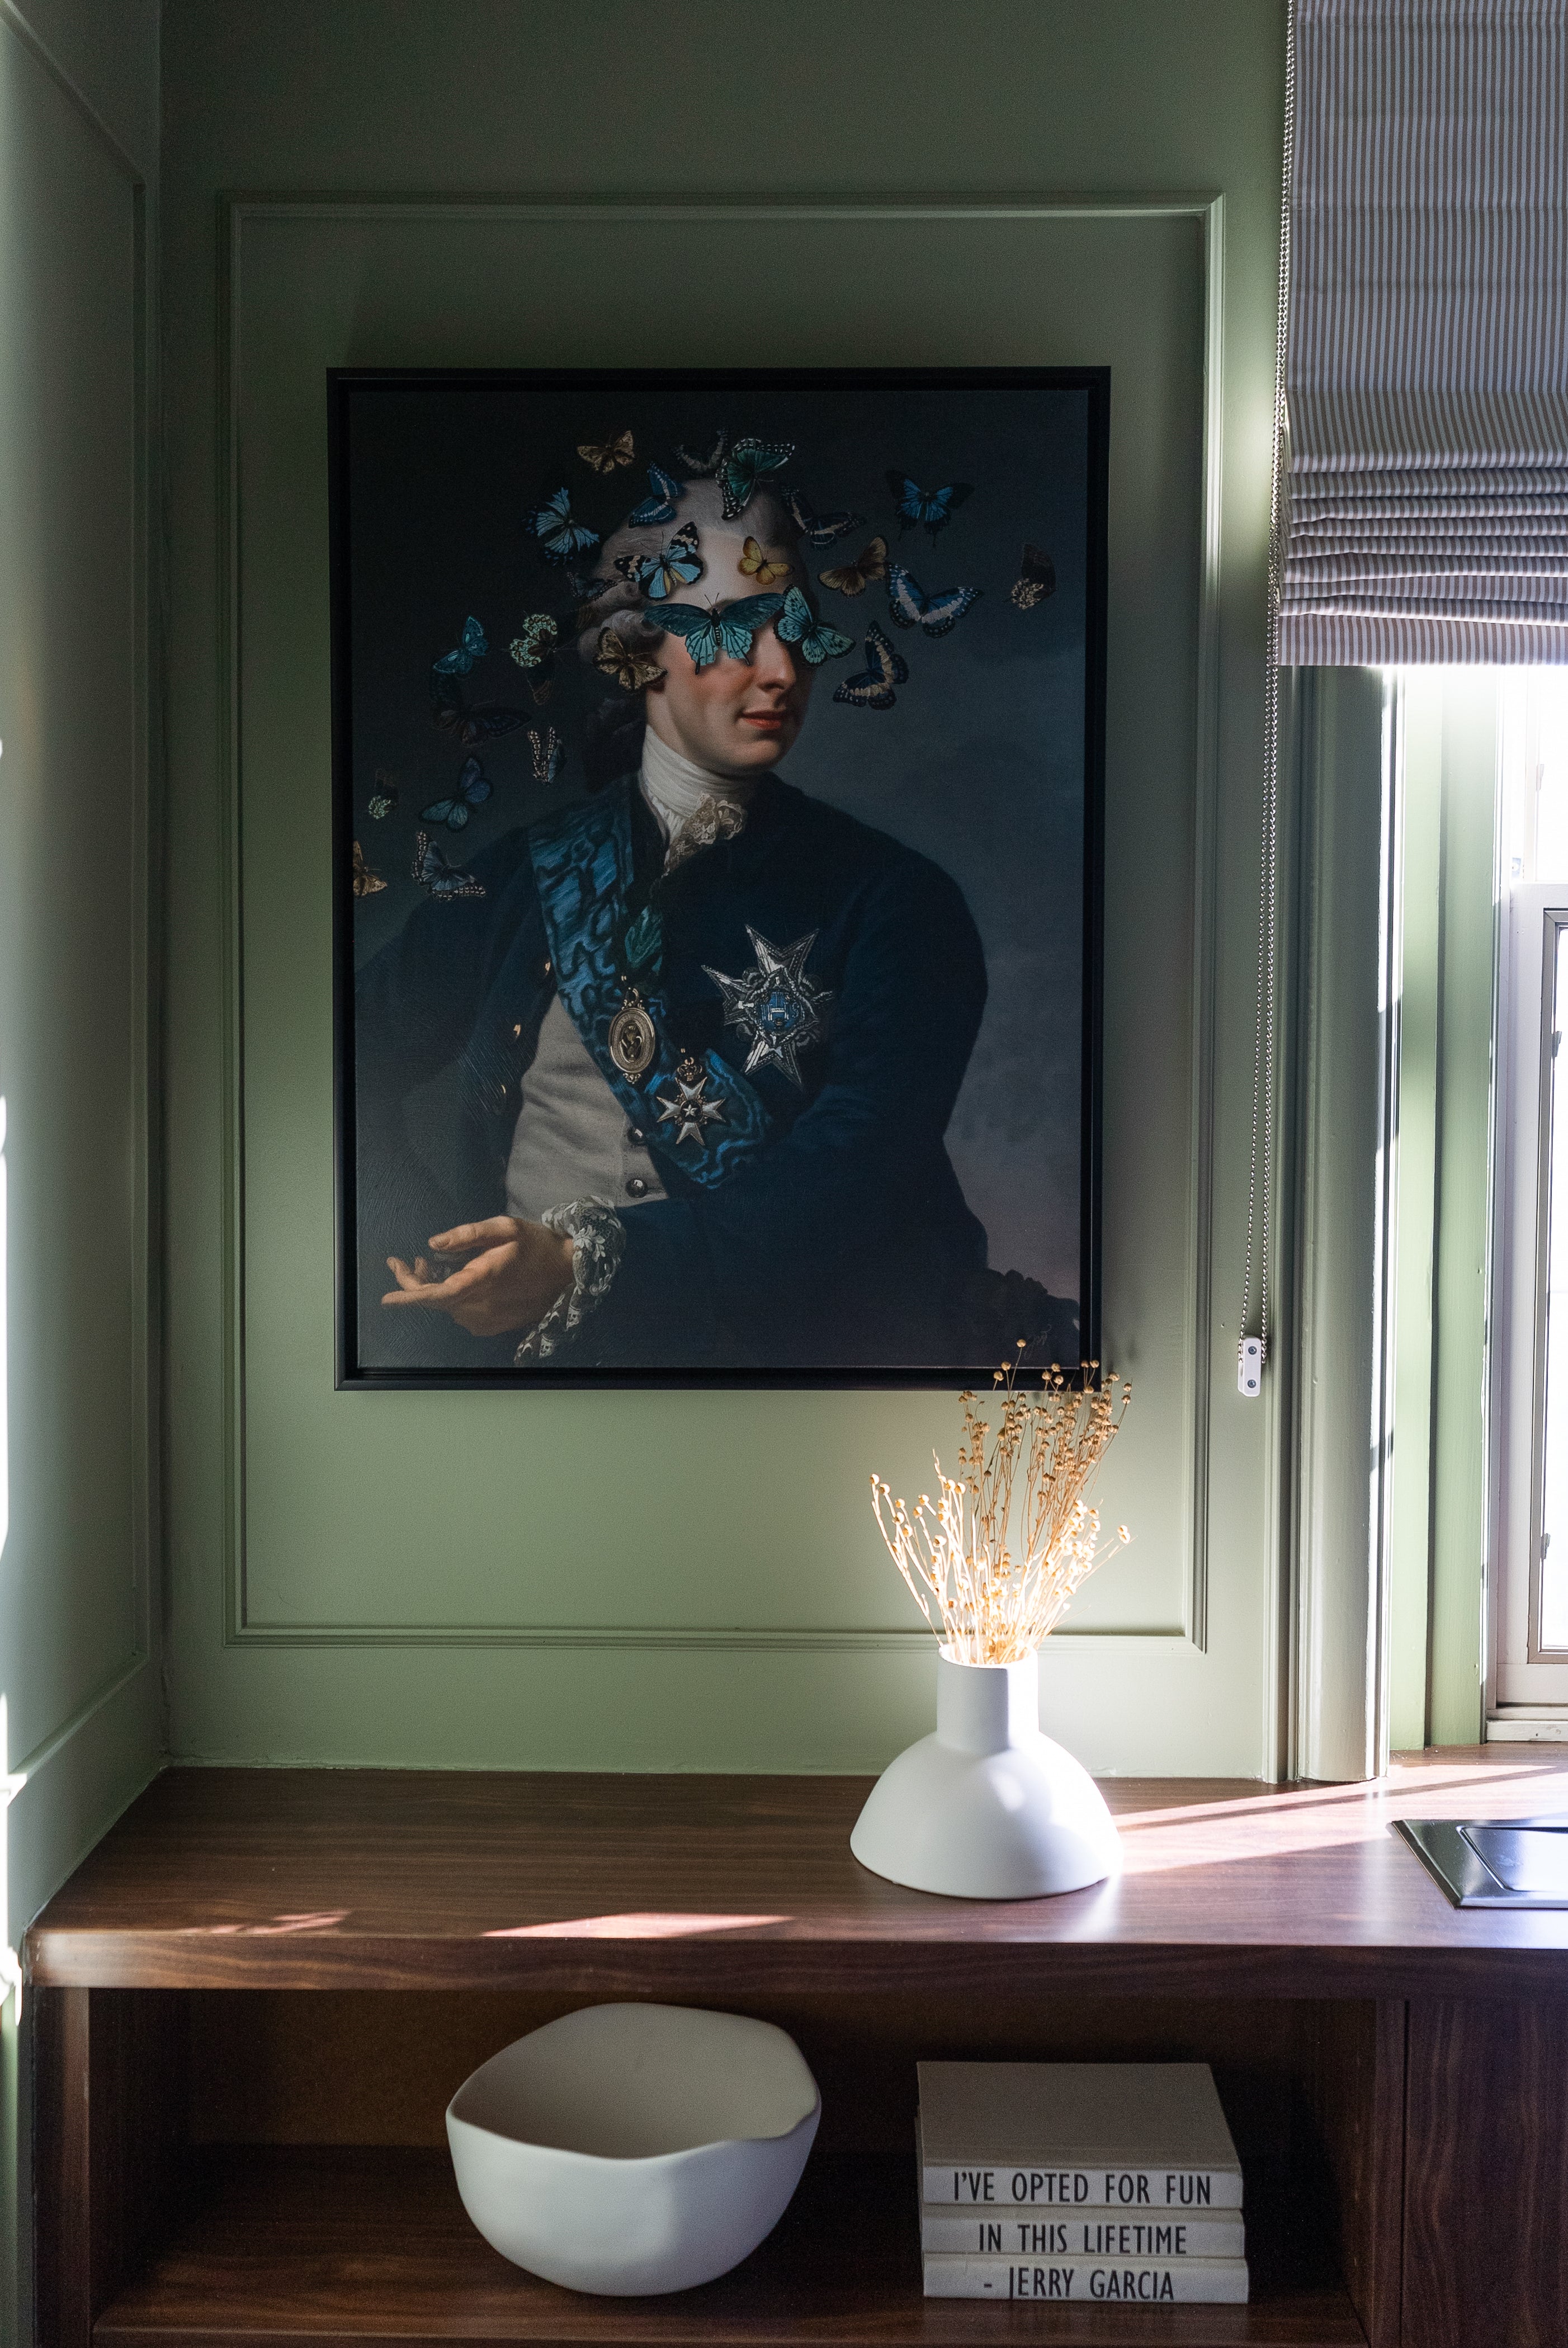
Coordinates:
[744,1886]
[1486,2175]
[111,2095]
[62,2158]
[371,2067]
[373,2251]
[1356,2086]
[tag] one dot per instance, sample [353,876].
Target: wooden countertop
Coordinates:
[330,1878]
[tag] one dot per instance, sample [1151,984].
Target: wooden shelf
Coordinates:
[260,1973]
[297,1879]
[374,2249]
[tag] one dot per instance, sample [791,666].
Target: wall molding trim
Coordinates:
[241,209]
[804,1641]
[12,17]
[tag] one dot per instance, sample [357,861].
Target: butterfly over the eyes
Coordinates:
[605,455]
[1036,578]
[909,606]
[473,647]
[730,630]
[629,667]
[432,871]
[366,883]
[884,668]
[469,723]
[746,464]
[473,789]
[548,753]
[664,494]
[559,535]
[820,530]
[702,468]
[799,625]
[932,508]
[658,575]
[764,567]
[384,798]
[850,578]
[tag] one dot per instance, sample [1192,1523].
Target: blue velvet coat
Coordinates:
[818,1223]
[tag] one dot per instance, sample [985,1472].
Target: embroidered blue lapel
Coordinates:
[582,868]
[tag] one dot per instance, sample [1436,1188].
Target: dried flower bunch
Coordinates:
[1013,1535]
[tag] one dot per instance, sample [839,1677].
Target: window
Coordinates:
[1529,1263]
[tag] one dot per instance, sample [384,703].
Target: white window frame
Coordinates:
[1527,1692]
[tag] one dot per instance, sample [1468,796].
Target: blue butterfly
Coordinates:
[559,537]
[744,467]
[473,790]
[587,589]
[820,530]
[660,574]
[798,624]
[932,508]
[432,871]
[665,493]
[707,633]
[474,647]
[909,606]
[884,668]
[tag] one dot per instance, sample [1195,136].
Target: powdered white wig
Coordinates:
[627,610]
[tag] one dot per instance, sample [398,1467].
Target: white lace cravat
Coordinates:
[693,806]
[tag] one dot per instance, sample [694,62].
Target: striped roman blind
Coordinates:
[1426,351]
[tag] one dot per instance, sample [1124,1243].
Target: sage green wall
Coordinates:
[79,1698]
[464,1579]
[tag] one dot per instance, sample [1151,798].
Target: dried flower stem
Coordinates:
[1009,1539]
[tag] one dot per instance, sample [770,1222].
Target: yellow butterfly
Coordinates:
[850,578]
[366,883]
[762,567]
[605,455]
[631,669]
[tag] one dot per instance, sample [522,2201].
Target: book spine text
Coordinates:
[1199,2282]
[1087,2234]
[1131,2189]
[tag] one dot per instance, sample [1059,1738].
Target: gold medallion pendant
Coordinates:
[633,1038]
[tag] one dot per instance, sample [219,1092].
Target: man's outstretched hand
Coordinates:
[513,1275]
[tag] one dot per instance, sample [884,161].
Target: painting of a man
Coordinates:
[661,1079]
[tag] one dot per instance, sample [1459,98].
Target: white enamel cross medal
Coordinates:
[686,1108]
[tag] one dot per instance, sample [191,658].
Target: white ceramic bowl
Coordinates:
[634,2148]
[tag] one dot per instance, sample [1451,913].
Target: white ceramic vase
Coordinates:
[988,1807]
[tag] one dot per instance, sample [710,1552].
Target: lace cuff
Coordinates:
[597,1244]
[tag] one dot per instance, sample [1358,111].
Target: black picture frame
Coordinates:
[354,590]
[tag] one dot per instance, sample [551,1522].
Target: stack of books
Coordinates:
[1078,2180]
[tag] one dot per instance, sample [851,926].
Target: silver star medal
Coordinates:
[775,1006]
[685,1108]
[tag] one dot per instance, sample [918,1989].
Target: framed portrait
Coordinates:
[718,835]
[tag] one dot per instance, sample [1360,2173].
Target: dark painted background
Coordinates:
[980,764]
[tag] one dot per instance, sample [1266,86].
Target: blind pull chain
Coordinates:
[1252,1352]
